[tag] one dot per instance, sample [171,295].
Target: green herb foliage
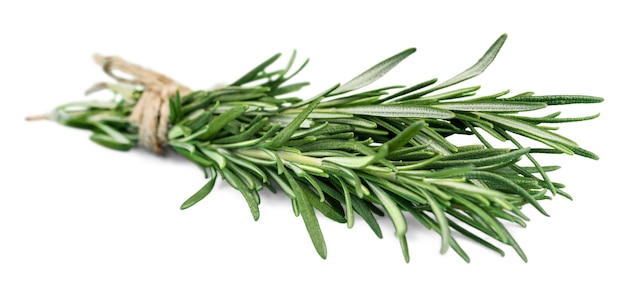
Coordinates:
[348,152]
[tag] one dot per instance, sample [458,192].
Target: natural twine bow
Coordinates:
[151,114]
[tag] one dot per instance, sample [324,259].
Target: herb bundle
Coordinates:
[349,152]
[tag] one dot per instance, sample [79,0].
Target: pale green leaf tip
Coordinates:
[523,256]
[321,250]
[542,211]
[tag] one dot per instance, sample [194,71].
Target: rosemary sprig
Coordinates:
[348,151]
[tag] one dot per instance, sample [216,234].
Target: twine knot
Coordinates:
[151,113]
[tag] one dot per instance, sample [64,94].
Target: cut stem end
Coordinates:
[38,117]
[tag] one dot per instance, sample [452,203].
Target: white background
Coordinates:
[81,221]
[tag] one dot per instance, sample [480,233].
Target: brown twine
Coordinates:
[151,114]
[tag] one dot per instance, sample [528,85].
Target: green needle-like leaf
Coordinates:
[509,184]
[308,215]
[352,162]
[405,249]
[203,192]
[251,75]
[398,111]
[558,99]
[219,159]
[249,195]
[475,69]
[404,137]
[442,221]
[283,136]
[216,124]
[374,73]
[392,210]
[348,200]
[526,129]
[111,132]
[491,106]
[111,142]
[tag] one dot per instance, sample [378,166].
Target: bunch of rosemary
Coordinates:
[348,151]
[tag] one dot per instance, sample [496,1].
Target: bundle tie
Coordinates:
[151,113]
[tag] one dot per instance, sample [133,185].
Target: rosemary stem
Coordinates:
[38,117]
